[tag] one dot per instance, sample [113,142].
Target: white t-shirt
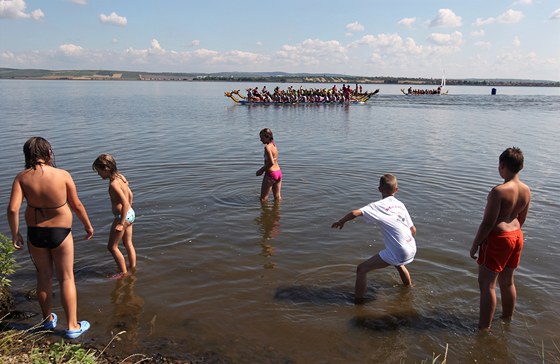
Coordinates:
[395,222]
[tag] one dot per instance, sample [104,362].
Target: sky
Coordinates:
[517,39]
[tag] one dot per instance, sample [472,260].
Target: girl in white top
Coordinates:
[398,235]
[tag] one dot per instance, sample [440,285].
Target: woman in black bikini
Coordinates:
[51,196]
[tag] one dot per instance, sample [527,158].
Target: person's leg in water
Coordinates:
[130,251]
[487,284]
[508,292]
[113,247]
[405,275]
[372,263]
[276,188]
[266,187]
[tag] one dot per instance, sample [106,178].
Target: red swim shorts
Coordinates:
[502,249]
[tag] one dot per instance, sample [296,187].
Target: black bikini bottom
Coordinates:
[47,237]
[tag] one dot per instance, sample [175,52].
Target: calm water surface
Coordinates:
[219,272]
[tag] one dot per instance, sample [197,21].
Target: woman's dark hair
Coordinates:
[38,150]
[266,132]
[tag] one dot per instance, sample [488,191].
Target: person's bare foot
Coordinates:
[119,275]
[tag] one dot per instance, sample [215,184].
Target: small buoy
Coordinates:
[493,91]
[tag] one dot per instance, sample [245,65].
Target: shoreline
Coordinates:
[263,77]
[292,81]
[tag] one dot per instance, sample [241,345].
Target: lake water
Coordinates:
[219,273]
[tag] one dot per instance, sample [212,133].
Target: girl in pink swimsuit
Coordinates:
[272,180]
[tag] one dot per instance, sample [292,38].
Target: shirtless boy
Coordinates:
[499,239]
[398,235]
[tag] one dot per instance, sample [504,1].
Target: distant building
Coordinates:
[159,77]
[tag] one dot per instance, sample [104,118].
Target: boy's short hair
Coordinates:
[388,182]
[512,159]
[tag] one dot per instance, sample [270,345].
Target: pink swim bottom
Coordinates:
[275,175]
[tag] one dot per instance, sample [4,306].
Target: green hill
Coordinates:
[271,77]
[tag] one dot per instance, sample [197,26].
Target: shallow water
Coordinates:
[219,272]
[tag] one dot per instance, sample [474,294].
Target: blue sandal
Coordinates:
[50,325]
[73,334]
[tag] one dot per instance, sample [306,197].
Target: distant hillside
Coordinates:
[269,77]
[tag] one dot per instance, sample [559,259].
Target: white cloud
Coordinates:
[392,54]
[37,14]
[446,18]
[555,14]
[407,22]
[519,59]
[355,27]
[510,17]
[233,58]
[410,47]
[516,41]
[378,41]
[312,52]
[16,9]
[454,39]
[209,56]
[79,2]
[156,47]
[523,2]
[115,40]
[206,53]
[512,61]
[375,57]
[28,59]
[7,55]
[241,57]
[483,45]
[113,19]
[395,48]
[480,22]
[155,54]
[379,54]
[71,49]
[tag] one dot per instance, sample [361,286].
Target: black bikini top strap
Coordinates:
[42,209]
[47,208]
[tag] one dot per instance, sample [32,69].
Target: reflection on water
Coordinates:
[315,295]
[127,308]
[206,247]
[403,315]
[269,228]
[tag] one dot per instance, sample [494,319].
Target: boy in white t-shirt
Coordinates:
[398,235]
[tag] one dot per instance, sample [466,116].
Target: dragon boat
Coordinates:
[360,98]
[415,92]
[440,90]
